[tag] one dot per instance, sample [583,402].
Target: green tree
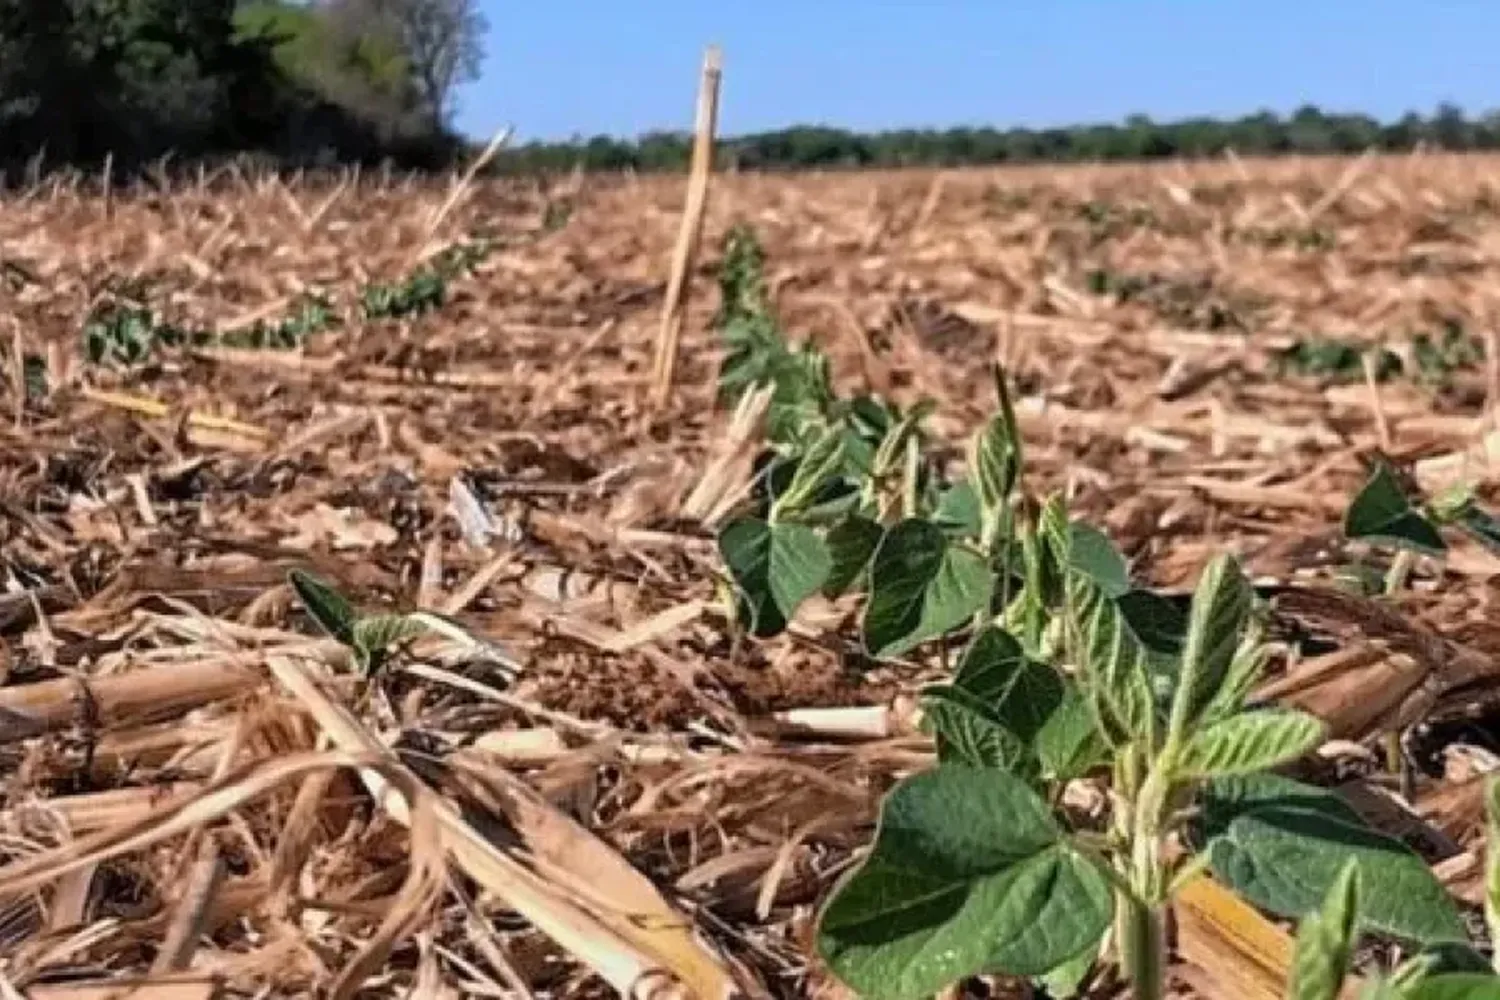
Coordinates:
[86,78]
[82,80]
[353,62]
[1308,130]
[439,43]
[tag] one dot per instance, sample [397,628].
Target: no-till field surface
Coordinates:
[1205,358]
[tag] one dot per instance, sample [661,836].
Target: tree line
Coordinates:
[131,81]
[308,82]
[1308,130]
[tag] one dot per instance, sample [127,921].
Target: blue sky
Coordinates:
[559,67]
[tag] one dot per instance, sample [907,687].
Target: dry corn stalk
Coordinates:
[642,947]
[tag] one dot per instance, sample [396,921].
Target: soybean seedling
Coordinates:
[1327,935]
[1390,514]
[372,639]
[1068,673]
[978,866]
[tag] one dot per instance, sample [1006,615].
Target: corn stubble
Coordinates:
[616,786]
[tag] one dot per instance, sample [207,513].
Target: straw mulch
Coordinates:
[198,793]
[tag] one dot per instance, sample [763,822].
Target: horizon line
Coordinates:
[1063,126]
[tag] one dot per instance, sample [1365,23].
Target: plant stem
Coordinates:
[1400,571]
[1138,929]
[910,492]
[1032,611]
[1138,918]
[1397,764]
[1395,580]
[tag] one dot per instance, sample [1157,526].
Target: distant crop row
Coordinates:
[122,330]
[1428,358]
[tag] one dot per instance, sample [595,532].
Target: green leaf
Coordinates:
[837,500]
[1053,527]
[1065,981]
[1016,694]
[1040,572]
[1414,970]
[817,467]
[1156,620]
[851,543]
[1281,844]
[1481,526]
[1091,553]
[1324,940]
[384,631]
[374,636]
[958,510]
[1377,987]
[995,462]
[870,418]
[1455,986]
[991,666]
[969,874]
[772,475]
[893,445]
[1254,741]
[1244,670]
[1043,709]
[1381,512]
[1070,744]
[1007,416]
[327,606]
[968,731]
[754,351]
[921,586]
[1114,665]
[775,567]
[801,394]
[742,290]
[1454,956]
[1046,552]
[1440,959]
[1221,604]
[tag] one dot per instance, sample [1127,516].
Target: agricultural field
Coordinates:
[367,630]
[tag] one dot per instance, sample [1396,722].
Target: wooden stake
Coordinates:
[108,183]
[692,228]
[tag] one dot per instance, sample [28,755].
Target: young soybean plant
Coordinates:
[977,869]
[1069,673]
[1326,938]
[847,500]
[1385,515]
[372,639]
